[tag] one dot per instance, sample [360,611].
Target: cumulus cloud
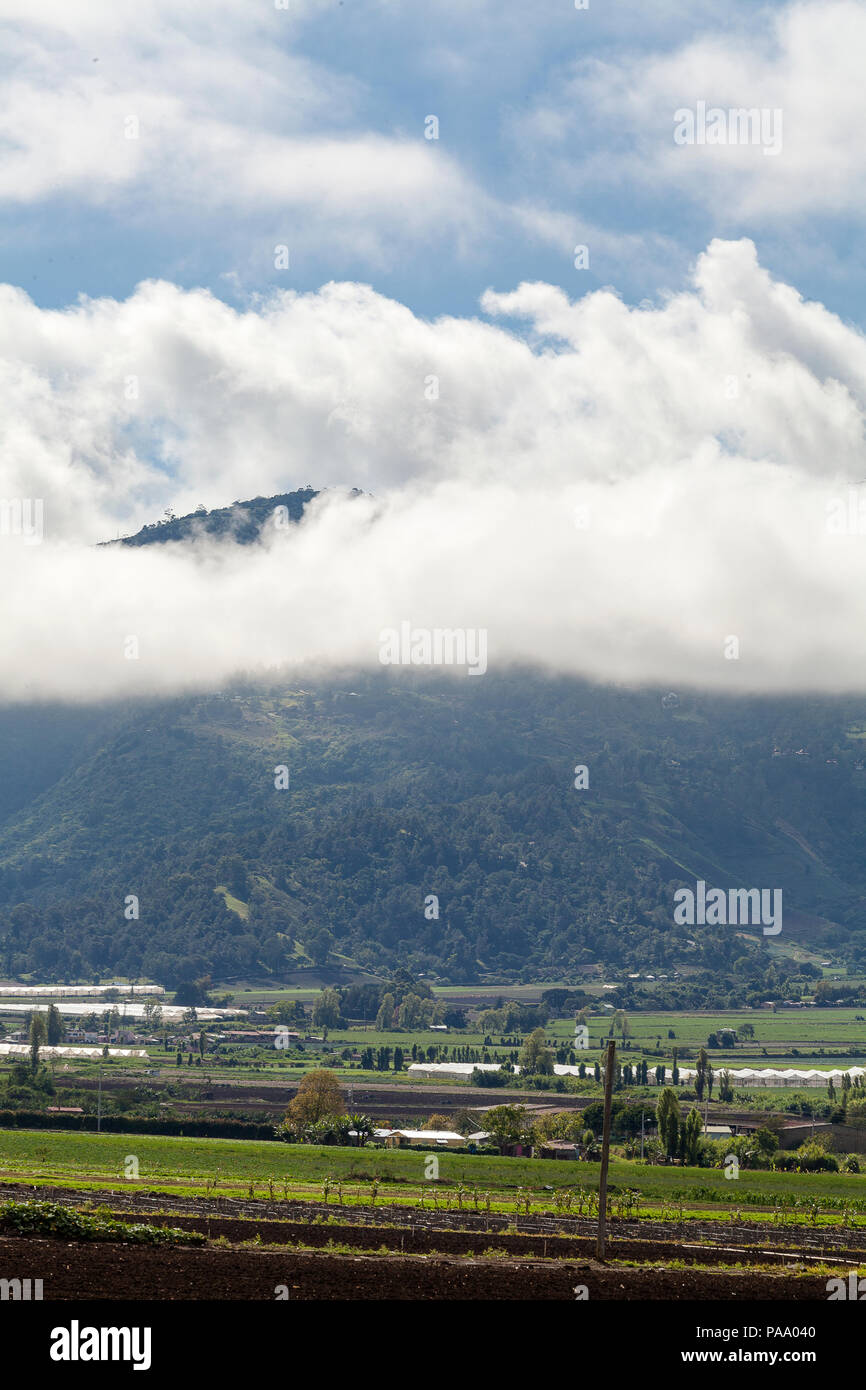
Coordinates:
[610,491]
[181,110]
[210,135]
[217,133]
[612,119]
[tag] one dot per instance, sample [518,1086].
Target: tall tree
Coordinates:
[690,1136]
[385,1016]
[326,1010]
[703,1076]
[319,1096]
[53,1026]
[536,1059]
[152,1015]
[37,1037]
[620,1022]
[668,1121]
[506,1124]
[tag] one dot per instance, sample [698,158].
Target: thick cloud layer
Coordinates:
[614,492]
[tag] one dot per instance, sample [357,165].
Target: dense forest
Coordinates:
[404,787]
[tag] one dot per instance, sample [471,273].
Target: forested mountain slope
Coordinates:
[404,785]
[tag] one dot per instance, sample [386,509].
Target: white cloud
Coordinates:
[188,110]
[613,494]
[613,120]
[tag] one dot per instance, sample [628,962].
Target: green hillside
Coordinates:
[402,786]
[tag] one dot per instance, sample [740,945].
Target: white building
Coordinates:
[771,1077]
[440,1138]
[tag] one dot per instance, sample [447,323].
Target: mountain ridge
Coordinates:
[241,522]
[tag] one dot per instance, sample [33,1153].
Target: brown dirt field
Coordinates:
[379,1099]
[706,1242]
[75,1271]
[414,1241]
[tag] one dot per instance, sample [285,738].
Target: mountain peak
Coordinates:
[241,522]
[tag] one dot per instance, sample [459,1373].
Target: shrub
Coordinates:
[127,1124]
[53,1219]
[489,1078]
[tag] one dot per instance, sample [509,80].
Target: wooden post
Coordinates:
[605,1149]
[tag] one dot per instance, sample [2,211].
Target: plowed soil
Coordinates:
[412,1231]
[73,1271]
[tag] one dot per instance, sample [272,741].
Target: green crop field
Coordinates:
[792,1037]
[41,1155]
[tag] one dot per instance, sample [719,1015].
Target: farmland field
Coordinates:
[235,1190]
[336,1223]
[42,1154]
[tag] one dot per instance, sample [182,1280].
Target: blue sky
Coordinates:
[554,130]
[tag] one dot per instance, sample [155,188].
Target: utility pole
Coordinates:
[605,1149]
[642,1118]
[99,1105]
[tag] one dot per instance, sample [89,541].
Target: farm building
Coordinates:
[426,1138]
[23,1050]
[556,1148]
[744,1076]
[777,1077]
[717,1132]
[73,991]
[451,1068]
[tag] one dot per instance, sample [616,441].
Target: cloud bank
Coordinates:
[612,492]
